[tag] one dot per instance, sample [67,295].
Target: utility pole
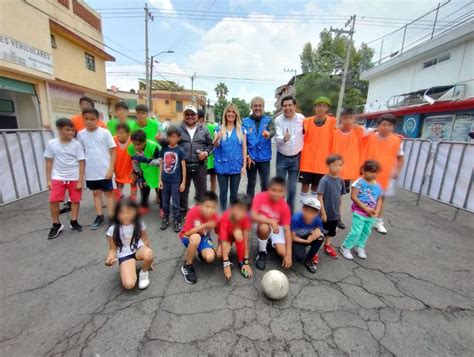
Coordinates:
[351,21]
[148,16]
[295,72]
[150,84]
[192,88]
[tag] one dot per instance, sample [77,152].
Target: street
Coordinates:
[412,296]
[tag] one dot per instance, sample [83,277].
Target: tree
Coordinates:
[307,58]
[243,106]
[221,90]
[219,109]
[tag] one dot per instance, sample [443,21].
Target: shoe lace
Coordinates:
[188,269]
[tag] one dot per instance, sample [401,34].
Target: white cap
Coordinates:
[311,202]
[191,108]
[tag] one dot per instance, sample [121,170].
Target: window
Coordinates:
[179,106]
[90,62]
[444,58]
[167,101]
[53,42]
[7,106]
[437,60]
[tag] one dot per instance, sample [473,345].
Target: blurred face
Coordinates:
[173,139]
[321,109]
[85,104]
[208,208]
[309,214]
[66,132]
[190,118]
[258,108]
[139,146]
[127,215]
[238,212]
[335,168]
[230,115]
[276,192]
[122,135]
[90,120]
[385,128]
[289,108]
[347,121]
[121,114]
[369,176]
[141,118]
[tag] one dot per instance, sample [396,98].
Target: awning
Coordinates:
[17,86]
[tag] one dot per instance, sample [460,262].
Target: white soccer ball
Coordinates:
[275,285]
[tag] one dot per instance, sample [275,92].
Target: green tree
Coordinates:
[243,106]
[219,109]
[221,90]
[307,58]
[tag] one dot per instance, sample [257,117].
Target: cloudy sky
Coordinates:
[248,44]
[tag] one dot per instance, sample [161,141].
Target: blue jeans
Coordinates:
[226,183]
[289,165]
[169,193]
[263,169]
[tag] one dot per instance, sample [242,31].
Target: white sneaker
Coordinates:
[380,227]
[346,253]
[143,280]
[361,253]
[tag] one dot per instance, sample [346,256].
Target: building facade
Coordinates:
[48,60]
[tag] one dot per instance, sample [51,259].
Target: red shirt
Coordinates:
[194,219]
[226,226]
[278,211]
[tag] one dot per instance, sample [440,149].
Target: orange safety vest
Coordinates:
[348,145]
[317,145]
[123,165]
[384,150]
[78,122]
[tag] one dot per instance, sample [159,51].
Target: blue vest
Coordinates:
[259,148]
[228,159]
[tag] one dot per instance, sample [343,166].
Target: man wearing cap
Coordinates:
[289,143]
[259,129]
[197,145]
[317,145]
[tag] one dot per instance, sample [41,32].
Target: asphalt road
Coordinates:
[412,296]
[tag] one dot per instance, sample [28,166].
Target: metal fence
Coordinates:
[22,168]
[442,171]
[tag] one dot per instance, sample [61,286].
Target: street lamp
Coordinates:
[150,78]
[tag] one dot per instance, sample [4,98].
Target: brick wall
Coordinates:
[64,3]
[86,15]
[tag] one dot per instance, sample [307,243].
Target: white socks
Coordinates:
[314,194]
[262,244]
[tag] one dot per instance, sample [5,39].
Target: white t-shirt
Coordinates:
[97,145]
[126,233]
[191,131]
[66,157]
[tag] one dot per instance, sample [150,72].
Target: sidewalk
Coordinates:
[414,295]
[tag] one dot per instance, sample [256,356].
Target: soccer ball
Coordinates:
[275,285]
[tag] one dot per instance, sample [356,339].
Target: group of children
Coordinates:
[128,153]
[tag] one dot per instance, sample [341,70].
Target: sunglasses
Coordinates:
[189,114]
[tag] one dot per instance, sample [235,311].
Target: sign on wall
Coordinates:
[25,55]
[437,128]
[411,126]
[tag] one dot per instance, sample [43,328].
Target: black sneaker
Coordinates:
[189,274]
[311,267]
[270,248]
[260,260]
[55,230]
[75,226]
[99,221]
[177,226]
[340,224]
[164,224]
[65,208]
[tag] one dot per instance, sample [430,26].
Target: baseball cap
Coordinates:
[191,108]
[311,202]
[324,100]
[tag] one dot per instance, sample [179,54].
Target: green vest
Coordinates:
[112,125]
[151,129]
[211,127]
[150,173]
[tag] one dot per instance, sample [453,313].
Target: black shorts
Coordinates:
[310,178]
[99,185]
[347,185]
[127,257]
[330,227]
[211,171]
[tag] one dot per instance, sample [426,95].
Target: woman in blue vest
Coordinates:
[229,154]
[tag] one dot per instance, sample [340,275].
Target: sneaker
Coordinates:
[143,211]
[346,253]
[361,253]
[189,274]
[260,260]
[55,230]
[329,250]
[65,208]
[270,248]
[99,221]
[177,226]
[311,267]
[380,227]
[164,224]
[75,226]
[143,279]
[340,224]
[316,259]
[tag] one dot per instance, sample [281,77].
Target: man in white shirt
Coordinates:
[289,141]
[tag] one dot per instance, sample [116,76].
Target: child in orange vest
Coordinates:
[385,147]
[123,165]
